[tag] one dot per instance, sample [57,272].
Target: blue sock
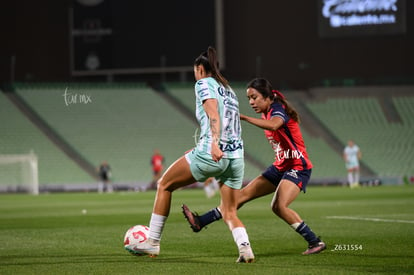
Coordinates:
[209,217]
[304,230]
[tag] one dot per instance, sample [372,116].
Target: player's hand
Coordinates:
[216,153]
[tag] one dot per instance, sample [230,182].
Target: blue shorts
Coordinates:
[298,177]
[228,171]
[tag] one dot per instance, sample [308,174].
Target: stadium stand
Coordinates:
[19,136]
[124,123]
[387,147]
[121,124]
[405,107]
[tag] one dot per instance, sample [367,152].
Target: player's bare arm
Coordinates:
[273,124]
[210,107]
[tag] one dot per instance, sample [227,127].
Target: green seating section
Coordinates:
[405,108]
[386,147]
[124,123]
[19,136]
[121,124]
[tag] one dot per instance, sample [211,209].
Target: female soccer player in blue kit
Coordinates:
[219,153]
[289,173]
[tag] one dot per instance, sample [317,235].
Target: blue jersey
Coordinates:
[231,142]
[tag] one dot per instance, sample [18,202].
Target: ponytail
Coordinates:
[292,113]
[209,61]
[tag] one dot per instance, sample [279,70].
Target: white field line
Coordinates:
[367,219]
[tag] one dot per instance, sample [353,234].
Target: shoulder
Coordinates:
[277,110]
[205,88]
[206,81]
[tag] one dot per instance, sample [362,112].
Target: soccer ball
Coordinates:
[135,235]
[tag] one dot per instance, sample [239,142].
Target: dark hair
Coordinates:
[209,61]
[265,89]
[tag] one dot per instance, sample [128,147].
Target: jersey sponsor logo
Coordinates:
[230,99]
[231,147]
[229,103]
[226,93]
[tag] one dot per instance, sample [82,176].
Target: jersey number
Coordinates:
[232,123]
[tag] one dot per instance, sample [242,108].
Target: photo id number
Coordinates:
[347,247]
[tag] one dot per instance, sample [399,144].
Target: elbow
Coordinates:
[273,128]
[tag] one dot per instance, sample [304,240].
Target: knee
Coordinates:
[228,216]
[278,209]
[164,185]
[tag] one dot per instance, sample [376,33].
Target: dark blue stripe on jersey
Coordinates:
[288,133]
[278,110]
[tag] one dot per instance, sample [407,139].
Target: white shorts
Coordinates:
[228,171]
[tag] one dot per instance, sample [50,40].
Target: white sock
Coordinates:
[156,226]
[295,225]
[357,177]
[240,236]
[209,191]
[350,178]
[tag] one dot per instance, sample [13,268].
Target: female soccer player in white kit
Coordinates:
[351,156]
[219,153]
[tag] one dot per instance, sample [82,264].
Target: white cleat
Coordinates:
[245,254]
[144,248]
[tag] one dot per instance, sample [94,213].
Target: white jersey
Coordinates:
[351,156]
[231,142]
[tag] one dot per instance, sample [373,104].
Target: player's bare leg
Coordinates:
[258,187]
[176,176]
[284,196]
[229,213]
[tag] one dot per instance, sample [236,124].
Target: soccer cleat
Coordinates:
[315,248]
[191,218]
[245,254]
[144,248]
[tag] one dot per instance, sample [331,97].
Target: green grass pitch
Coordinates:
[367,230]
